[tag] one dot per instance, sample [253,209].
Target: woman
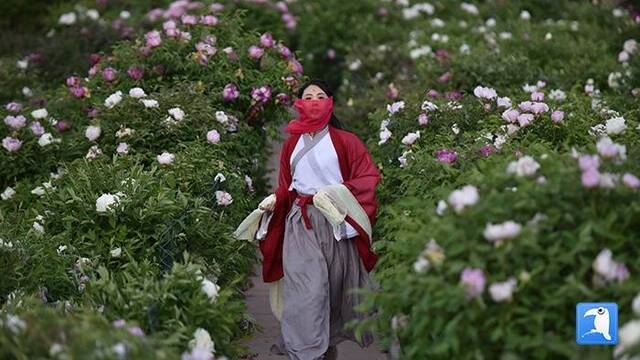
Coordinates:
[319,262]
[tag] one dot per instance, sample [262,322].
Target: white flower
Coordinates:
[38,191]
[614,80]
[604,265]
[122,148]
[15,324]
[525,166]
[616,126]
[420,52]
[137,93]
[93,152]
[411,137]
[442,206]
[630,46]
[202,340]
[93,14]
[385,134]
[249,182]
[223,198]
[355,65]
[92,132]
[628,337]
[176,113]
[504,102]
[6,244]
[39,114]
[210,289]
[463,197]
[470,8]
[7,193]
[395,107]
[116,252]
[421,264]
[219,177]
[149,103]
[455,129]
[484,92]
[529,88]
[22,64]
[38,227]
[525,15]
[113,99]
[503,291]
[27,92]
[499,141]
[221,117]
[61,249]
[120,349]
[465,49]
[45,139]
[122,132]
[500,232]
[428,106]
[165,158]
[108,202]
[557,95]
[124,14]
[67,19]
[608,149]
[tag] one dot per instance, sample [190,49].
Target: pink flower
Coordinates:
[510,115]
[282,6]
[487,150]
[446,156]
[78,91]
[473,281]
[136,331]
[537,96]
[295,66]
[589,162]
[73,81]
[525,105]
[135,72]
[557,116]
[231,54]
[13,106]
[261,94]
[525,119]
[255,52]
[484,93]
[631,181]
[590,178]
[230,92]
[266,40]
[213,137]
[36,128]
[445,77]
[433,93]
[216,7]
[169,25]
[392,92]
[453,95]
[283,99]
[331,54]
[209,20]
[423,119]
[15,122]
[62,126]
[189,20]
[11,144]
[539,108]
[94,69]
[120,323]
[285,52]
[153,38]
[123,148]
[109,74]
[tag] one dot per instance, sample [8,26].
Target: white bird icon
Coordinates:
[600,323]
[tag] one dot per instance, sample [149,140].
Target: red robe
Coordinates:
[359,175]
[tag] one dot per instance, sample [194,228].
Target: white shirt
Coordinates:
[318,168]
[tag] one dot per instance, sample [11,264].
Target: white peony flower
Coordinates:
[93,14]
[221,117]
[113,99]
[503,291]
[463,197]
[604,265]
[38,227]
[39,114]
[210,289]
[15,324]
[616,126]
[45,139]
[61,249]
[6,244]
[630,46]
[421,264]
[165,158]
[68,19]
[223,198]
[115,253]
[395,107]
[220,177]
[92,132]
[484,93]
[149,103]
[107,202]
[93,152]
[628,337]
[557,95]
[442,206]
[122,148]
[385,134]
[525,15]
[124,132]
[202,340]
[176,113]
[525,166]
[27,92]
[7,193]
[38,191]
[428,106]
[137,93]
[504,102]
[501,232]
[411,138]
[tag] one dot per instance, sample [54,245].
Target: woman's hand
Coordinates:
[269,203]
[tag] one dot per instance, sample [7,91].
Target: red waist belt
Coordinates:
[303,201]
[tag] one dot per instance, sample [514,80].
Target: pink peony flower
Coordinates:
[15,122]
[230,92]
[446,156]
[11,144]
[62,126]
[511,115]
[631,181]
[136,331]
[445,77]
[423,119]
[123,148]
[223,198]
[331,54]
[73,81]
[589,162]
[266,40]
[13,107]
[255,52]
[433,93]
[539,108]
[474,281]
[189,20]
[283,99]
[213,136]
[153,38]
[525,106]
[209,20]
[557,116]
[525,119]
[295,66]
[36,128]
[135,72]
[284,51]
[261,94]
[78,91]
[487,150]
[590,178]
[231,54]
[537,96]
[109,74]
[120,323]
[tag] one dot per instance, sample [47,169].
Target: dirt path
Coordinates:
[257,299]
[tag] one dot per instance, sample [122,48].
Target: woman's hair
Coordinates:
[327,90]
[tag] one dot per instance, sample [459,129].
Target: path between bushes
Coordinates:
[257,299]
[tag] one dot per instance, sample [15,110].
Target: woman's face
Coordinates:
[313,92]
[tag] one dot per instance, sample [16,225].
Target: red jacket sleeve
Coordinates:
[363,176]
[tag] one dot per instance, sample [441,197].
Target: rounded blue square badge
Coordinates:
[597,323]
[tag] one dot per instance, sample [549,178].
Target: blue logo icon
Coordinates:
[597,323]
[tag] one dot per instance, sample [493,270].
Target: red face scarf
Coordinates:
[314,115]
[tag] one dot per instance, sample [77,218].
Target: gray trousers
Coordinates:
[318,274]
